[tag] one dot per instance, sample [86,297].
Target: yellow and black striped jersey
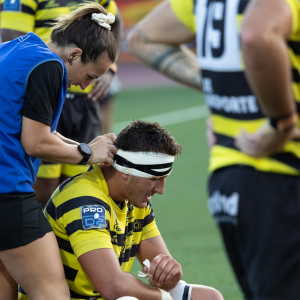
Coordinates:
[84,218]
[37,15]
[232,103]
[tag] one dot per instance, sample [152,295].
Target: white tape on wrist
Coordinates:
[146,262]
[165,295]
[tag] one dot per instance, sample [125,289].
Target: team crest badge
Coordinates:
[11,5]
[93,217]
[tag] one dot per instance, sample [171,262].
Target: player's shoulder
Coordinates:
[77,193]
[295,10]
[185,5]
[294,6]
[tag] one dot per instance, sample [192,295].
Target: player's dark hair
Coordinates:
[77,28]
[141,136]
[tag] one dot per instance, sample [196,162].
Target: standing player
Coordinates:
[255,201]
[103,218]
[80,117]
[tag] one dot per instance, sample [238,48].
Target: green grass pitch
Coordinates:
[181,212]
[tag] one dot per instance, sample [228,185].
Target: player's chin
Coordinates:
[141,204]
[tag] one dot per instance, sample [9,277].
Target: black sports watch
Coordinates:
[86,152]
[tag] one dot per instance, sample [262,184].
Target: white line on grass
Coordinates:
[171,118]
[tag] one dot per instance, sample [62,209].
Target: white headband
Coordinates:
[104,20]
[143,164]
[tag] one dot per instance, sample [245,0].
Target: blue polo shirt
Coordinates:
[18,59]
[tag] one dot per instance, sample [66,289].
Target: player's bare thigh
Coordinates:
[8,287]
[38,268]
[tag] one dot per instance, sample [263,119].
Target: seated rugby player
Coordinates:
[103,219]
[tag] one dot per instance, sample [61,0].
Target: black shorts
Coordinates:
[80,118]
[22,220]
[259,217]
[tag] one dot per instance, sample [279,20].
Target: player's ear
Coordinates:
[124,176]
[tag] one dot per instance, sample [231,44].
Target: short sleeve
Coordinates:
[295,9]
[184,11]
[92,239]
[78,224]
[42,89]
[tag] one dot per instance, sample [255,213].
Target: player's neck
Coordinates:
[114,183]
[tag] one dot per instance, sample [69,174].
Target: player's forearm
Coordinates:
[127,285]
[52,148]
[169,60]
[64,139]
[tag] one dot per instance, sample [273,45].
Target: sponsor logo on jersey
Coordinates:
[93,217]
[224,208]
[137,226]
[11,5]
[130,233]
[234,104]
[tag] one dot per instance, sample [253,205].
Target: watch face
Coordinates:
[85,148]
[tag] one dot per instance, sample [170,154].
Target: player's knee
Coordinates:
[201,292]
[214,295]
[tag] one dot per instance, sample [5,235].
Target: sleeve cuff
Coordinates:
[89,245]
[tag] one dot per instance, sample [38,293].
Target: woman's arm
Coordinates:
[38,141]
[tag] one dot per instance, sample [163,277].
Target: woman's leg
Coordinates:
[8,287]
[38,268]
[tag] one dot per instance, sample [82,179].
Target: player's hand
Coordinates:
[210,136]
[103,149]
[165,272]
[265,142]
[109,136]
[100,89]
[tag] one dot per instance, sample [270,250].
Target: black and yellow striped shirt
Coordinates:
[233,105]
[36,16]
[85,218]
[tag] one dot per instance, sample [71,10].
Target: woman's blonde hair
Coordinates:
[77,28]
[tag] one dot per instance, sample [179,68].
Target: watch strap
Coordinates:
[85,155]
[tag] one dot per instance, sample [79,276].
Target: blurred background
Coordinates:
[181,212]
